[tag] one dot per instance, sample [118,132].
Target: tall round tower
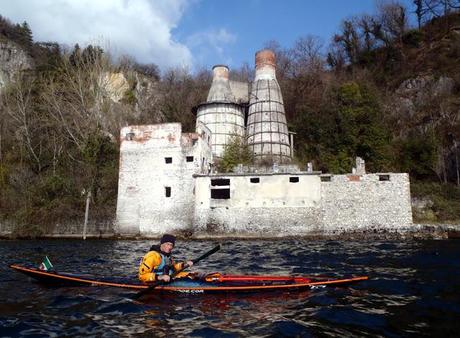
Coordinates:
[220,113]
[267,130]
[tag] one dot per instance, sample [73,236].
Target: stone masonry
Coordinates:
[302,203]
[155,189]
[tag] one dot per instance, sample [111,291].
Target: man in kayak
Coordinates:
[158,265]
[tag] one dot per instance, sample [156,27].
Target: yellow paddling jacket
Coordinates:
[155,264]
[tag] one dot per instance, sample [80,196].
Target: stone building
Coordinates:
[267,130]
[298,203]
[156,184]
[166,183]
[221,113]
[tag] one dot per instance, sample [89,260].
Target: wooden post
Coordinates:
[291,139]
[88,198]
[456,162]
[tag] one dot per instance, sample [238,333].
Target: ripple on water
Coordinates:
[413,290]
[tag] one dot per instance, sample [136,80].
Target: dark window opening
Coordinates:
[220,194]
[220,181]
[130,136]
[384,177]
[325,178]
[255,180]
[293,179]
[189,158]
[168,160]
[168,191]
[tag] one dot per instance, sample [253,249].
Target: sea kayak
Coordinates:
[195,283]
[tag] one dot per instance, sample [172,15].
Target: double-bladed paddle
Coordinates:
[196,260]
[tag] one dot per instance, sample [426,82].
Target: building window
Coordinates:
[294,179]
[130,136]
[254,180]
[222,188]
[189,158]
[220,194]
[168,191]
[220,182]
[168,160]
[384,177]
[325,178]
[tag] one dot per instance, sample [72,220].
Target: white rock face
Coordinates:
[115,85]
[13,61]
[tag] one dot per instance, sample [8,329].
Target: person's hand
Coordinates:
[189,264]
[164,278]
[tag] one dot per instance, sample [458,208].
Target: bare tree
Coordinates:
[439,8]
[421,11]
[391,22]
[307,54]
[25,120]
[74,98]
[349,39]
[180,91]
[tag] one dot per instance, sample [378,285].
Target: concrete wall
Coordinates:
[145,177]
[240,90]
[276,206]
[273,206]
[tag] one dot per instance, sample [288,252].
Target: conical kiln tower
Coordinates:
[267,131]
[220,113]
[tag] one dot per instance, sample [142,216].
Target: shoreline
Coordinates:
[415,232]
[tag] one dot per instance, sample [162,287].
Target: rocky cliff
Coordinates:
[13,61]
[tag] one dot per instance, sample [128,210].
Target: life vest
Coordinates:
[156,263]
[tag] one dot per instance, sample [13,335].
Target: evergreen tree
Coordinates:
[27,34]
[75,56]
[236,152]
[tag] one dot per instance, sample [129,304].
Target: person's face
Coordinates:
[166,247]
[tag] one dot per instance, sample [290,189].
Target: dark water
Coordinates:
[414,290]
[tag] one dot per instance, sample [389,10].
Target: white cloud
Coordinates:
[217,40]
[140,28]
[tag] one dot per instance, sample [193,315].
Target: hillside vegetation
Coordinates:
[381,90]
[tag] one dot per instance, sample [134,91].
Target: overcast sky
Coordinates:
[192,33]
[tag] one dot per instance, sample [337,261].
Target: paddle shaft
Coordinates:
[196,260]
[184,266]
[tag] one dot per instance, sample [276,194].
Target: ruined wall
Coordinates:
[276,206]
[157,163]
[354,202]
[268,204]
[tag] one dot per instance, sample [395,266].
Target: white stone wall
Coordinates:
[354,202]
[276,206]
[142,205]
[273,206]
